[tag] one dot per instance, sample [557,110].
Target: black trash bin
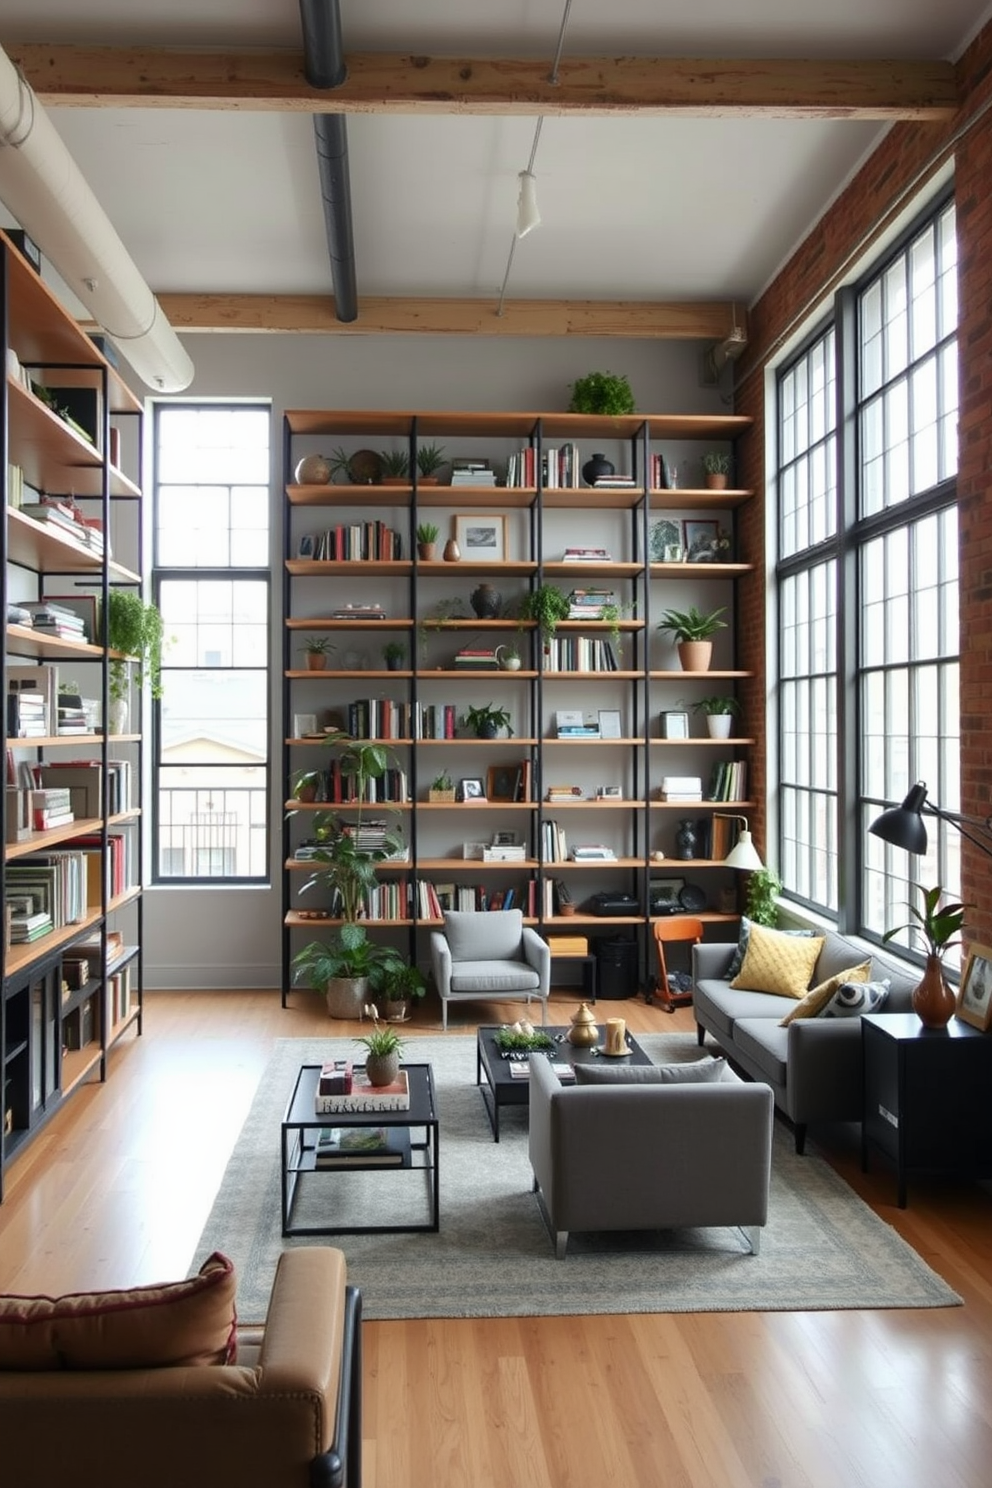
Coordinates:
[616,967]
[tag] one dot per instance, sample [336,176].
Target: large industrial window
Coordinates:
[211,582]
[868,584]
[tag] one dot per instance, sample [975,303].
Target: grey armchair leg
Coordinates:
[752,1237]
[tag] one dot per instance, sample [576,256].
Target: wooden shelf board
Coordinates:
[686,808]
[317,568]
[680,676]
[699,570]
[39,841]
[704,740]
[19,957]
[473,865]
[698,500]
[79,1064]
[23,640]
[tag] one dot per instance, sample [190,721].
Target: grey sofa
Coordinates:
[814,1065]
[650,1157]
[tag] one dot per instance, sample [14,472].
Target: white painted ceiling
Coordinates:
[632,207]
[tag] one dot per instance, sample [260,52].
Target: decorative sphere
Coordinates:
[313,470]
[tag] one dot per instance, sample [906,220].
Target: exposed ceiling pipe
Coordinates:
[43,188]
[325,68]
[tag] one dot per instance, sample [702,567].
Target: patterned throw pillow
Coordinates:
[817,998]
[855,998]
[693,1072]
[737,959]
[778,963]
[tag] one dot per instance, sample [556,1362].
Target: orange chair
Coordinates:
[683,928]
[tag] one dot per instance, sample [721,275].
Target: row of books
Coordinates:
[728,781]
[84,780]
[580,653]
[338,788]
[56,883]
[354,541]
[559,467]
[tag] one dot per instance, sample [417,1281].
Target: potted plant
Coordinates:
[338,464]
[383,1047]
[347,872]
[601,392]
[395,467]
[508,657]
[134,628]
[938,924]
[400,985]
[430,459]
[717,468]
[719,714]
[546,605]
[393,654]
[691,631]
[317,648]
[486,722]
[763,889]
[442,788]
[305,785]
[427,540]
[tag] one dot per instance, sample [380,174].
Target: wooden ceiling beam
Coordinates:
[381,82]
[381,315]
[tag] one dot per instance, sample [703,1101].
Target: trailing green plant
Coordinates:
[691,625]
[430,458]
[134,627]
[611,615]
[937,923]
[395,462]
[427,532]
[443,611]
[715,462]
[763,889]
[546,605]
[602,392]
[318,645]
[716,705]
[486,720]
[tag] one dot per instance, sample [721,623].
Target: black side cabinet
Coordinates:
[928,1097]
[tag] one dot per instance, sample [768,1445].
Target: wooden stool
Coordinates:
[677,928]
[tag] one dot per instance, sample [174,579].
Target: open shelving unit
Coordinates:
[538,522]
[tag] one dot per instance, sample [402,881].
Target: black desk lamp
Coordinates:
[903,825]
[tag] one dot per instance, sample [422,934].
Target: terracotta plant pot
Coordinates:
[426,551]
[316,661]
[716,482]
[933,1000]
[695,656]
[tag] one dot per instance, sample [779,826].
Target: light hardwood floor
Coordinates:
[115,1192]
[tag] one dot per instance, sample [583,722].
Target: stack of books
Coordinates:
[514,852]
[364,1096]
[51,807]
[572,723]
[73,717]
[476,658]
[56,515]
[26,714]
[55,620]
[592,852]
[587,555]
[359,612]
[681,788]
[615,482]
[588,604]
[472,473]
[564,793]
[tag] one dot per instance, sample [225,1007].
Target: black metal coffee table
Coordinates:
[499,1088]
[301,1130]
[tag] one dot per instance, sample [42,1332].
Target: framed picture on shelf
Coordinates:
[307,547]
[609,723]
[506,839]
[304,725]
[975,993]
[674,725]
[481,536]
[502,782]
[471,788]
[666,536]
[700,539]
[664,894]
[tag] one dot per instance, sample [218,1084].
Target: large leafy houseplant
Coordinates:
[763,888]
[135,629]
[602,392]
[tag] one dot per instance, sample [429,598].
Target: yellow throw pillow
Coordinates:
[817,997]
[778,963]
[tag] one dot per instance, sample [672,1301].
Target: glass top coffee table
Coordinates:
[499,1088]
[413,1133]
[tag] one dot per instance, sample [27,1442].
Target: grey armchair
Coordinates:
[650,1156]
[489,954]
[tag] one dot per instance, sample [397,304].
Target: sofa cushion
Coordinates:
[763,1045]
[188,1322]
[851,999]
[494,976]
[737,959]
[694,1072]
[778,963]
[817,997]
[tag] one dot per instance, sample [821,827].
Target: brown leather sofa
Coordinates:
[286,1415]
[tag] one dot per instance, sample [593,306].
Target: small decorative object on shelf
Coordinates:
[452,552]
[394,655]
[685,840]
[937,924]
[717,468]
[486,602]
[427,540]
[317,649]
[597,466]
[719,714]
[313,470]
[442,788]
[691,631]
[508,658]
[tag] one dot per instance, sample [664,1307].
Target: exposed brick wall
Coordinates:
[906,151]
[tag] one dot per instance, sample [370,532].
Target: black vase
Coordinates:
[486,602]
[598,465]
[685,840]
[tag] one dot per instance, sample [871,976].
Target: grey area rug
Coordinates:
[823,1248]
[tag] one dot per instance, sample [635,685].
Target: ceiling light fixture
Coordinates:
[528,216]
[43,188]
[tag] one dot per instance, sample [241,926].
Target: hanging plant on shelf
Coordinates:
[134,628]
